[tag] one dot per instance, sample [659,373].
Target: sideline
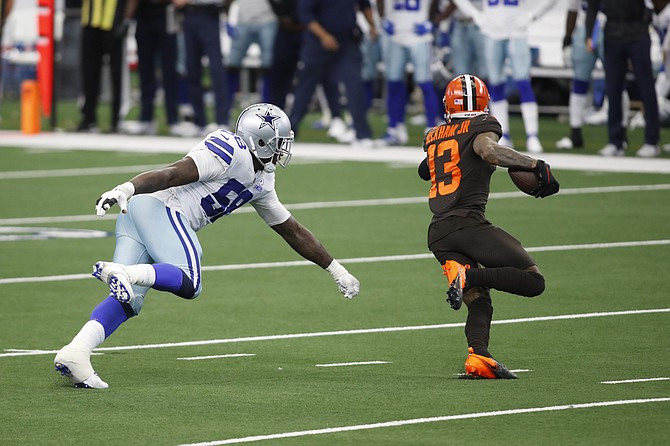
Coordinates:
[309,151]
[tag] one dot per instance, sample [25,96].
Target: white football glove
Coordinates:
[120,194]
[567,56]
[349,285]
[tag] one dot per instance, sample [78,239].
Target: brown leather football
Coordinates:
[525,180]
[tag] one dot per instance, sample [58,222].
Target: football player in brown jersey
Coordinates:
[461,156]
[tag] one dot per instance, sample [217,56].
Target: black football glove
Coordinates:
[548,184]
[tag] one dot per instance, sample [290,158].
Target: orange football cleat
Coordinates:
[478,366]
[455,272]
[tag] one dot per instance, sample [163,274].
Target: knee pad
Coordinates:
[580,87]
[525,91]
[497,92]
[536,285]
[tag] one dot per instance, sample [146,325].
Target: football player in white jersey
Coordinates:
[505,24]
[408,38]
[467,42]
[582,62]
[156,242]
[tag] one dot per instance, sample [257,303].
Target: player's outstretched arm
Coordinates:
[182,172]
[307,245]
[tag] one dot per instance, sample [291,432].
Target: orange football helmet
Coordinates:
[465,96]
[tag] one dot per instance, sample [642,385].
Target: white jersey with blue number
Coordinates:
[227,180]
[405,14]
[504,19]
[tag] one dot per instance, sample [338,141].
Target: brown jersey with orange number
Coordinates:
[460,179]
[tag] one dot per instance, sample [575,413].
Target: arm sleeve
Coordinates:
[271,210]
[424,171]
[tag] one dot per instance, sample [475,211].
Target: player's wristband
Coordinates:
[127,188]
[336,270]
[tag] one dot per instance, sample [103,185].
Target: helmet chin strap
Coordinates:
[269,167]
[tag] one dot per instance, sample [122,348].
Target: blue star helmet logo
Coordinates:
[268,119]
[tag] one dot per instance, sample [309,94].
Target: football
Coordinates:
[526,181]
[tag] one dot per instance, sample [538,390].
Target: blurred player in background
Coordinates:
[466,40]
[256,23]
[583,62]
[371,50]
[505,25]
[408,38]
[156,242]
[475,255]
[627,43]
[331,45]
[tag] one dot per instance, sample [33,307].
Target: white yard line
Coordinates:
[347,364]
[466,416]
[16,352]
[231,355]
[394,258]
[638,380]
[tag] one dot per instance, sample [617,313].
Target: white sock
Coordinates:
[577,106]
[530,117]
[91,335]
[500,110]
[662,84]
[142,275]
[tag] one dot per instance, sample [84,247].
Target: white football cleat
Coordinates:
[564,143]
[347,137]
[365,143]
[395,136]
[533,145]
[187,130]
[115,275]
[138,127]
[213,127]
[337,128]
[76,365]
[612,150]
[648,151]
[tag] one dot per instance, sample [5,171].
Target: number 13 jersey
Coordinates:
[460,179]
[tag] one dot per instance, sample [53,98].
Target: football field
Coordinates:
[272,354]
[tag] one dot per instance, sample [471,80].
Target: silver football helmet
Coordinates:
[266,129]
